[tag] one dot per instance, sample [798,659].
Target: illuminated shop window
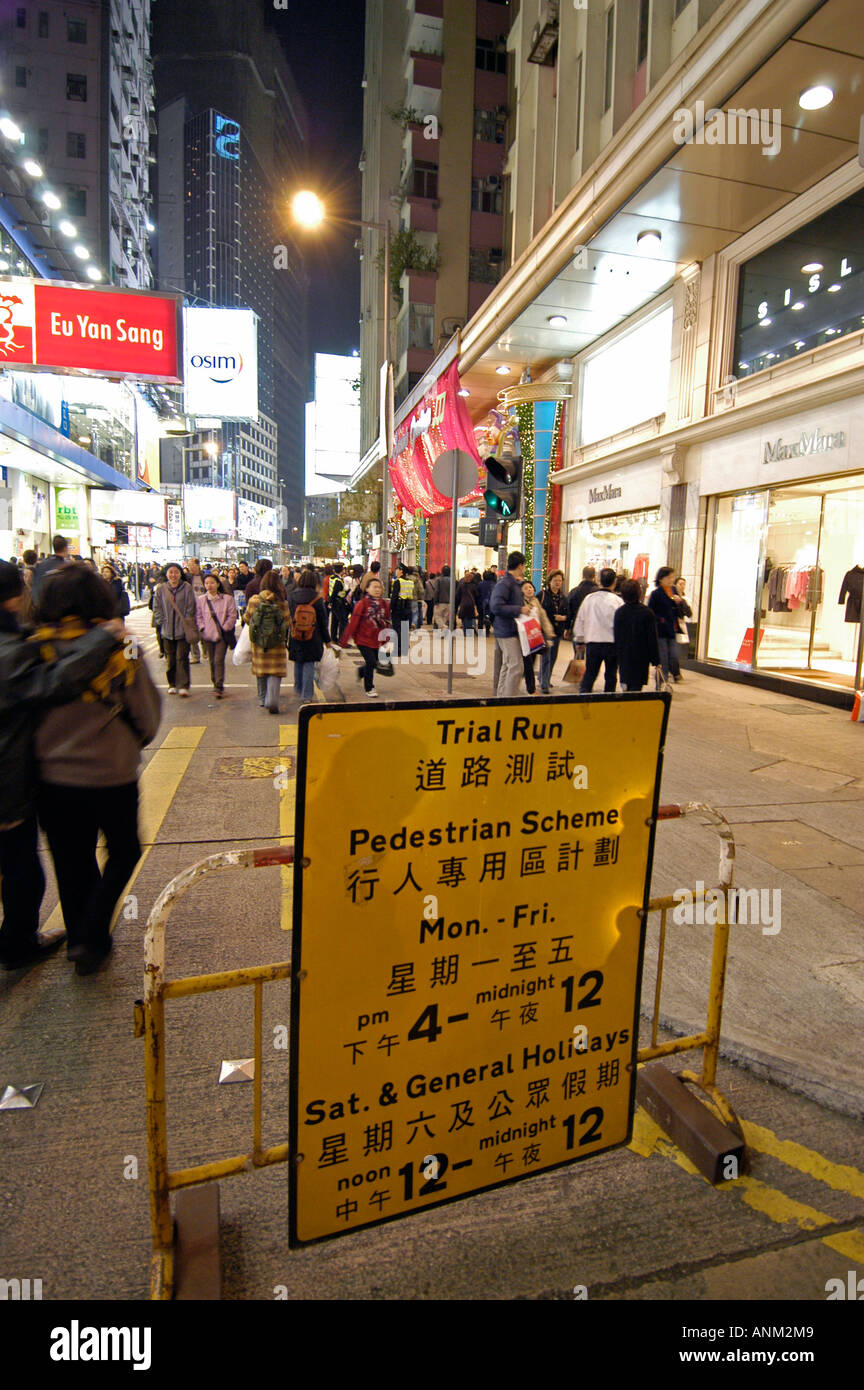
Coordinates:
[805,291]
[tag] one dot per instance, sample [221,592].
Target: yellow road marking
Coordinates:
[850,1244]
[287,806]
[159,783]
[648,1138]
[836,1175]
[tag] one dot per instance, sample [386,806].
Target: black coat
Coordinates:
[575,597]
[313,647]
[666,611]
[635,644]
[122,596]
[29,686]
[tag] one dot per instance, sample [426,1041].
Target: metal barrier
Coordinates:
[709,1039]
[150,1024]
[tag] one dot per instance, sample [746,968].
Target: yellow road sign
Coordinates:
[467,950]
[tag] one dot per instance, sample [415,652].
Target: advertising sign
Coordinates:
[174,513]
[440,421]
[148,444]
[77,328]
[209,509]
[66,516]
[467,948]
[220,358]
[256,522]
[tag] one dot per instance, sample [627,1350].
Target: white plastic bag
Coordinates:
[327,677]
[242,653]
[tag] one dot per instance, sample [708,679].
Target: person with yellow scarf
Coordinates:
[87,755]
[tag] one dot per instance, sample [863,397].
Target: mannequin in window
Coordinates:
[850,589]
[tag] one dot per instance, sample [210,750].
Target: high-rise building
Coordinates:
[227,154]
[434,118]
[89,61]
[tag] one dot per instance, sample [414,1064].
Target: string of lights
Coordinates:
[525,416]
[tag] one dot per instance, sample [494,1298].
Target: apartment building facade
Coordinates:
[682,205]
[434,121]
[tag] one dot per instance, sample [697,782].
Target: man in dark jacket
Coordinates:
[60,547]
[27,688]
[507,603]
[635,628]
[575,597]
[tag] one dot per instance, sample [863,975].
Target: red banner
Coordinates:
[440,422]
[100,331]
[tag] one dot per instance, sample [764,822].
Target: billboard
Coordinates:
[257,523]
[220,363]
[78,328]
[209,509]
[148,444]
[174,525]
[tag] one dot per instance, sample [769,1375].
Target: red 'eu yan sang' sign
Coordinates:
[75,328]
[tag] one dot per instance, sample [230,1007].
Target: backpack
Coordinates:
[304,623]
[267,626]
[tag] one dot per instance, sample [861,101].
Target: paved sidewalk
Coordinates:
[789,776]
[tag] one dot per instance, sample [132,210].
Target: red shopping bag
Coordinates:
[857,715]
[531,637]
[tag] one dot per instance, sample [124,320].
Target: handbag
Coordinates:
[530,632]
[189,625]
[682,635]
[661,682]
[228,633]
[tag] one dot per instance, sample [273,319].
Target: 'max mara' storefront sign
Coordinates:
[808,443]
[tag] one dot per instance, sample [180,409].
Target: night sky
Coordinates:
[323,41]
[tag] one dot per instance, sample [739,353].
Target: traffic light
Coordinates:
[503,486]
[491,531]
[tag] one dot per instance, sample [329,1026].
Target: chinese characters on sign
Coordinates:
[467,947]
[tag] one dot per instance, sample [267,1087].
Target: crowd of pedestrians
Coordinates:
[612,627]
[77,705]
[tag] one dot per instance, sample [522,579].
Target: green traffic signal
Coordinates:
[504,486]
[497,503]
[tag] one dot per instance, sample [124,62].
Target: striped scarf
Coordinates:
[119,670]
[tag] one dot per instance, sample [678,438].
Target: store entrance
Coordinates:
[806,543]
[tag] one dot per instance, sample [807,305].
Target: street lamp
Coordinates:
[309,212]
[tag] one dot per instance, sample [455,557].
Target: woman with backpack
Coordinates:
[309,635]
[267,618]
[87,753]
[370,618]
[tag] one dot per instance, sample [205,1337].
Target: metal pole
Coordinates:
[387,423]
[454,493]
